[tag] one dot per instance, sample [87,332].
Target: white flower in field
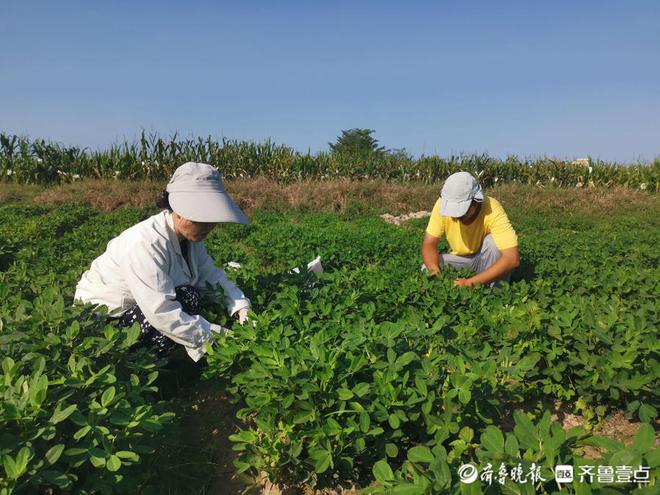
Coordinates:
[59,172]
[234,264]
[643,186]
[39,160]
[10,172]
[591,169]
[143,163]
[76,176]
[579,184]
[496,179]
[553,179]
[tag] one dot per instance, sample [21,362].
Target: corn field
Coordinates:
[27,161]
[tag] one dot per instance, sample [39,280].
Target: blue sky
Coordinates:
[562,79]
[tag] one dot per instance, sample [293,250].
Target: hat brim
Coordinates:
[454,209]
[212,207]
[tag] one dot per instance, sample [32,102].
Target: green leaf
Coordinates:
[511,446]
[128,455]
[391,450]
[466,434]
[365,422]
[97,462]
[73,330]
[464,396]
[54,453]
[382,471]
[38,390]
[604,443]
[420,453]
[10,466]
[344,394]
[107,396]
[113,463]
[246,436]
[60,415]
[23,458]
[644,438]
[653,458]
[360,389]
[332,427]
[405,360]
[420,384]
[394,421]
[81,432]
[647,413]
[56,478]
[492,439]
[525,431]
[322,459]
[8,366]
[625,457]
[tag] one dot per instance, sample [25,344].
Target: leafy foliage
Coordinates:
[39,162]
[372,371]
[369,372]
[359,142]
[78,409]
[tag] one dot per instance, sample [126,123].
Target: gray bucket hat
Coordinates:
[457,194]
[196,192]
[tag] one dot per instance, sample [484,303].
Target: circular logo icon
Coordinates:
[468,473]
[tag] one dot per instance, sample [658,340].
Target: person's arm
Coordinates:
[509,260]
[144,269]
[235,300]
[430,254]
[434,231]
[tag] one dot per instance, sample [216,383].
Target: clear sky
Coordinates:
[555,78]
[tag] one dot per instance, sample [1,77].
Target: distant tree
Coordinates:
[357,142]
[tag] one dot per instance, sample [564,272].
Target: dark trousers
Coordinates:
[190,300]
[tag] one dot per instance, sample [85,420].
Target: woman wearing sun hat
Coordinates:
[155,272]
[477,229]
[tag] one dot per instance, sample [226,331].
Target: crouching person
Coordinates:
[155,272]
[478,231]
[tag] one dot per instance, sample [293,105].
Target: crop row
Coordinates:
[369,373]
[40,162]
[373,371]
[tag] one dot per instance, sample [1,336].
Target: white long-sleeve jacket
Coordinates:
[142,266]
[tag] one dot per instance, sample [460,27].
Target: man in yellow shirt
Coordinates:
[478,232]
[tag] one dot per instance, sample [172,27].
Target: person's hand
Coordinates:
[463,282]
[430,272]
[243,316]
[433,272]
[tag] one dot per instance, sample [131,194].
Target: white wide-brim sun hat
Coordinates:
[457,194]
[197,193]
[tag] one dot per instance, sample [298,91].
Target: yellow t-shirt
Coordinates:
[467,239]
